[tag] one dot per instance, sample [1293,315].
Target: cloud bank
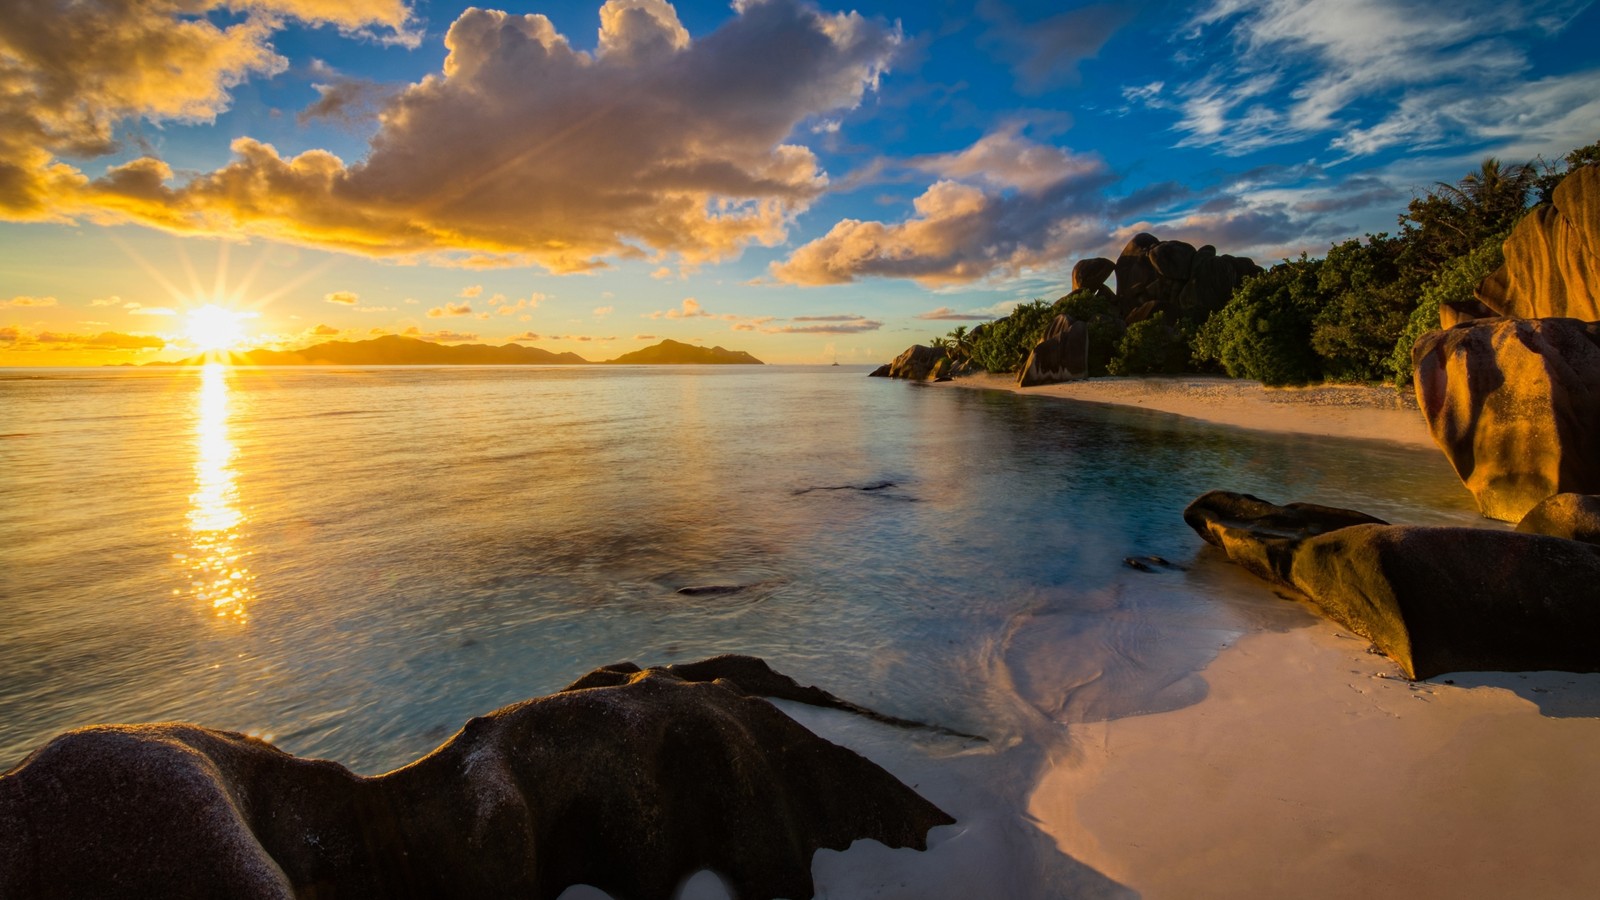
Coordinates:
[654,144]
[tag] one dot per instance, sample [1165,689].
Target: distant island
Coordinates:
[673,353]
[394,350]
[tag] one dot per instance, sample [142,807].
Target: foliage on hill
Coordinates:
[1350,316]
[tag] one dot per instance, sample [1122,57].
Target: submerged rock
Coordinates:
[1552,265]
[626,780]
[1434,600]
[1575,517]
[1515,406]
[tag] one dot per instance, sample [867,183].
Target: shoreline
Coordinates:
[1349,411]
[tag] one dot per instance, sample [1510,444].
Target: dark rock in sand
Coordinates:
[626,780]
[1575,517]
[1262,536]
[1552,266]
[1515,406]
[1060,355]
[1434,600]
[921,363]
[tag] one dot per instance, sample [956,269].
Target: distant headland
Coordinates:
[394,350]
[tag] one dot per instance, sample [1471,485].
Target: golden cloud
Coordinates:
[17,302]
[13,337]
[653,141]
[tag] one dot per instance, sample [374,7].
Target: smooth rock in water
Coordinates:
[1060,355]
[1552,266]
[880,372]
[1434,600]
[1515,406]
[1092,272]
[627,780]
[1575,517]
[921,363]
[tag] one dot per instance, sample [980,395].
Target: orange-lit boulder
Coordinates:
[1575,517]
[921,363]
[1552,266]
[627,780]
[1434,600]
[1515,405]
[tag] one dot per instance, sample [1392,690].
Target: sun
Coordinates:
[212,327]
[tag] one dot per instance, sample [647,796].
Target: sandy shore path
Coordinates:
[1375,413]
[1312,769]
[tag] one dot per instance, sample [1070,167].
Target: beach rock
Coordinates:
[1174,277]
[921,363]
[1434,600]
[1061,355]
[1552,266]
[1261,536]
[1092,272]
[1575,517]
[626,780]
[880,372]
[1515,406]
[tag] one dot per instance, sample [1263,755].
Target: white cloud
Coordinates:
[1366,75]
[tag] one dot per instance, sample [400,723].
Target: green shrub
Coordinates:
[1152,346]
[1454,283]
[1265,330]
[1366,299]
[1003,345]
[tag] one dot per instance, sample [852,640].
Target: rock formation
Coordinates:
[1153,276]
[1552,266]
[1434,600]
[1515,405]
[1575,517]
[1172,276]
[626,780]
[921,363]
[1062,354]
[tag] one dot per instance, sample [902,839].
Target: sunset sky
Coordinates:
[793,179]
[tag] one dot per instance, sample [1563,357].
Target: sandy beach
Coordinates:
[1355,411]
[1312,768]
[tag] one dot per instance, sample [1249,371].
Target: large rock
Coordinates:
[627,780]
[1092,273]
[1515,405]
[1575,517]
[1174,277]
[921,363]
[1434,600]
[1061,355]
[1552,266]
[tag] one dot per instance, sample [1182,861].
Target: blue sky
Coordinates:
[799,180]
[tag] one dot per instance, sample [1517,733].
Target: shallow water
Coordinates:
[351,562]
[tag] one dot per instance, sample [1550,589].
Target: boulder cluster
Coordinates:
[1173,278]
[628,780]
[1511,387]
[1434,600]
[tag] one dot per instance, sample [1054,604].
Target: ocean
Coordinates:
[351,562]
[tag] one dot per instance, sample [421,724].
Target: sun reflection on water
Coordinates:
[219,579]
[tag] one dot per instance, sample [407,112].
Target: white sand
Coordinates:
[1376,413]
[1312,770]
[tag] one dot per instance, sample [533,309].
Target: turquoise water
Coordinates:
[351,562]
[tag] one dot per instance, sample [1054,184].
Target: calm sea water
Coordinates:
[351,562]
